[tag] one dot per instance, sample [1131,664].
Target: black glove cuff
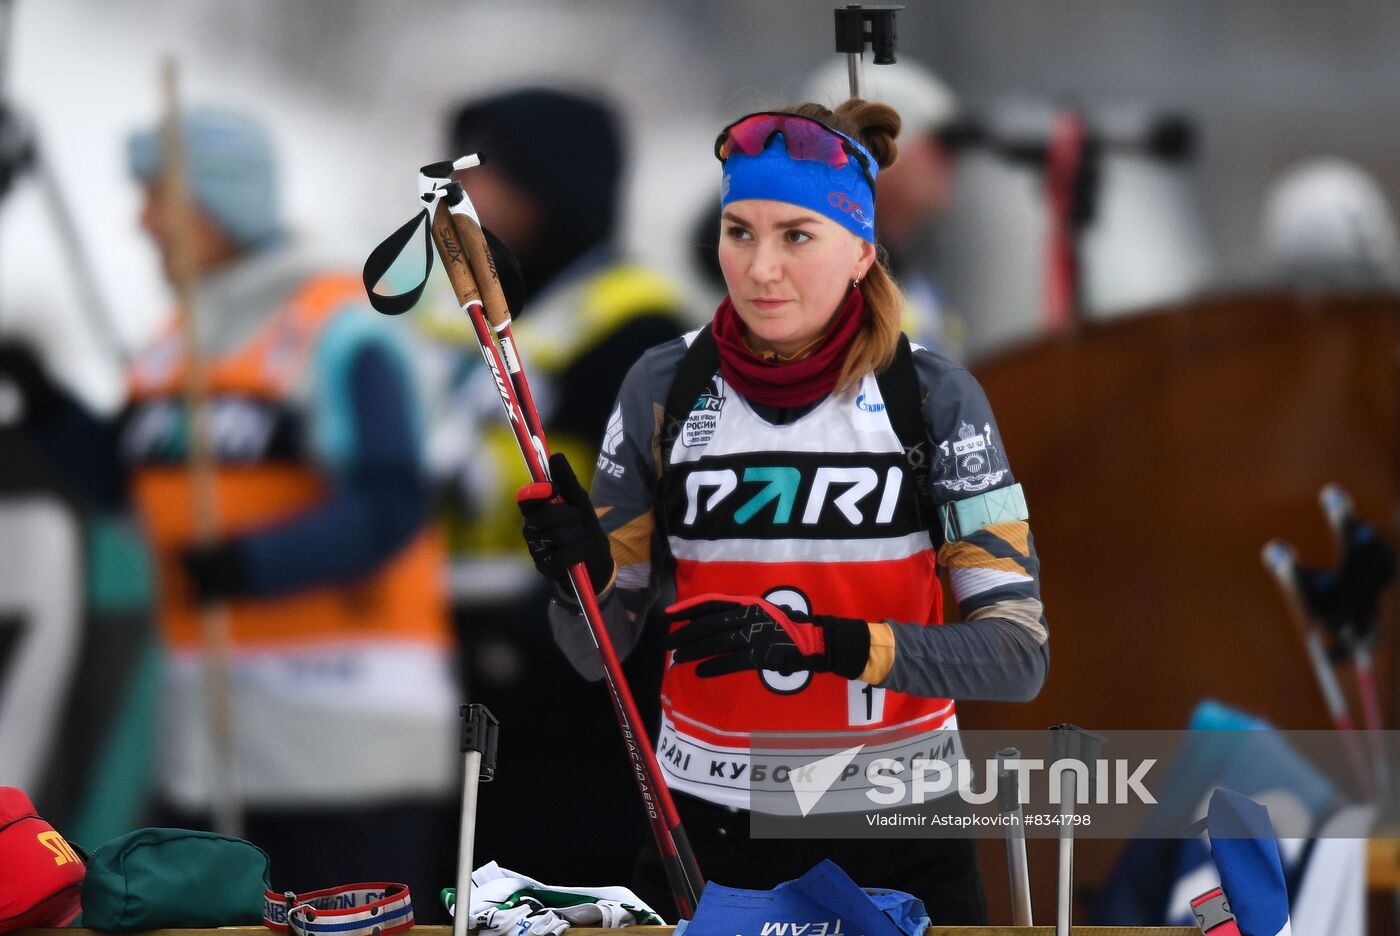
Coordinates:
[847,645]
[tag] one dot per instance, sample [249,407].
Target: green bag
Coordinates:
[173,878]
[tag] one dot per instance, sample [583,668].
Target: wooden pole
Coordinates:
[214,621]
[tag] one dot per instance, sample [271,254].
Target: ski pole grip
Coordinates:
[453,255]
[483,267]
[1008,780]
[480,731]
[1337,506]
[1074,743]
[1280,559]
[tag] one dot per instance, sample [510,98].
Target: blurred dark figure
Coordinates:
[564,808]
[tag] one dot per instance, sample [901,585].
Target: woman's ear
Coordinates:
[865,261]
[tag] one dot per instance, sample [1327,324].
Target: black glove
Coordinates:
[731,633]
[216,572]
[562,528]
[1347,599]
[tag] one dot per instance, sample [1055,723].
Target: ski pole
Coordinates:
[1341,517]
[456,231]
[455,225]
[215,627]
[1074,744]
[479,733]
[1018,870]
[1281,560]
[22,150]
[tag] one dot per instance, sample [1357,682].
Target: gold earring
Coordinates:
[855,282]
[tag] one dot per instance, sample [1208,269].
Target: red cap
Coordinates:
[43,873]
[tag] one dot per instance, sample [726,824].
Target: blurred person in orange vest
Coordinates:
[344,697]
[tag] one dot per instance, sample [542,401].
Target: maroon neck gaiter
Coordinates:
[786,383]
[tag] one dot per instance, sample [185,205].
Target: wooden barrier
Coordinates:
[667,930]
[1159,452]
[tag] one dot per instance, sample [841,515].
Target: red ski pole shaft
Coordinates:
[1280,560]
[458,237]
[493,300]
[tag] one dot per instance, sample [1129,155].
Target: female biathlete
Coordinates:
[802,471]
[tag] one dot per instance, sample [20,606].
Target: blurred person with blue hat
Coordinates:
[233,181]
[344,701]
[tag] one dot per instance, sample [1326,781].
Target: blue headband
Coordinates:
[843,195]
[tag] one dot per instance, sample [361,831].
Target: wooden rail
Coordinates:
[666,931]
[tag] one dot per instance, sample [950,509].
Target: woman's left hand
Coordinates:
[731,633]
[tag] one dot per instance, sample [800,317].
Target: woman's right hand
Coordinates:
[562,528]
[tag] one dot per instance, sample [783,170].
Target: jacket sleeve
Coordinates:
[368,441]
[999,649]
[624,495]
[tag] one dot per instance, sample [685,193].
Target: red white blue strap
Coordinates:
[373,909]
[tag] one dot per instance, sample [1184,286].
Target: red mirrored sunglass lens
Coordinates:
[805,139]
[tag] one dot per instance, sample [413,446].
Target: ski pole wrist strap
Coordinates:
[373,909]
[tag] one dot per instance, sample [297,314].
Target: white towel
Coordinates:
[527,915]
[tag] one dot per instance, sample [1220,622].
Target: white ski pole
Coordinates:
[480,731]
[1018,869]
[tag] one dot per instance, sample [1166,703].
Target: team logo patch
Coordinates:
[612,437]
[703,420]
[972,462]
[868,406]
[612,441]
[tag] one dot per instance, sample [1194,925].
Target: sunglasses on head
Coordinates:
[804,137]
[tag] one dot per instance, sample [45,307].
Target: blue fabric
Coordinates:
[232,172]
[1246,854]
[1228,748]
[1210,715]
[823,902]
[378,503]
[1192,856]
[904,910]
[843,195]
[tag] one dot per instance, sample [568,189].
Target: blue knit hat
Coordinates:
[232,172]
